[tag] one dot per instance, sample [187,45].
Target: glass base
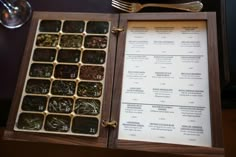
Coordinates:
[16,15]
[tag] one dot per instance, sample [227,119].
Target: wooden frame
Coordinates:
[113,86]
[215,107]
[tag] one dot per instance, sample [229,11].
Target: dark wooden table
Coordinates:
[12,44]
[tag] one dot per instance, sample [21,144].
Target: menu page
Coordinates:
[165,89]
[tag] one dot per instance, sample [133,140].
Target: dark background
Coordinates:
[229,92]
[231,33]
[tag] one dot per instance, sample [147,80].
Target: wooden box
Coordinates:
[146,82]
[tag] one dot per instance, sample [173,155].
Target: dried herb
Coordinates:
[47,40]
[60,105]
[95,42]
[70,56]
[37,86]
[60,78]
[44,55]
[93,57]
[41,70]
[73,26]
[66,71]
[97,27]
[85,125]
[30,121]
[87,107]
[50,26]
[63,87]
[91,72]
[71,41]
[34,103]
[89,89]
[57,123]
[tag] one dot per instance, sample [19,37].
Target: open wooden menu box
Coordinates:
[146,82]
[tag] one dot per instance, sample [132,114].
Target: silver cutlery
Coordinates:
[194,6]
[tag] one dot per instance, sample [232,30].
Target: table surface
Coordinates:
[12,44]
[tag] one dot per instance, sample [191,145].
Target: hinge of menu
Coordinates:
[117,30]
[112,124]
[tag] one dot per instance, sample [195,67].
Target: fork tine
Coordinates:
[123,2]
[118,7]
[121,5]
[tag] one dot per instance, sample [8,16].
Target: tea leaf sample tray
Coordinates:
[66,77]
[142,82]
[64,85]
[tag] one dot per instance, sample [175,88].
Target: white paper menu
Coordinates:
[165,89]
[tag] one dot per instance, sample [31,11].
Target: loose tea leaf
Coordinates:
[64,83]
[97,27]
[37,86]
[89,89]
[63,87]
[57,123]
[74,41]
[93,57]
[66,71]
[44,55]
[47,40]
[85,125]
[50,26]
[95,42]
[29,121]
[73,26]
[91,72]
[41,70]
[70,56]
[34,103]
[60,105]
[87,107]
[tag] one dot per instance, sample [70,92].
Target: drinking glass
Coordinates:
[15,13]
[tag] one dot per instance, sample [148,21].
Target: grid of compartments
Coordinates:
[64,86]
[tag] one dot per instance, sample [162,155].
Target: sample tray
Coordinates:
[64,75]
[64,85]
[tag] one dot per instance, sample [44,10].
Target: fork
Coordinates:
[194,6]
